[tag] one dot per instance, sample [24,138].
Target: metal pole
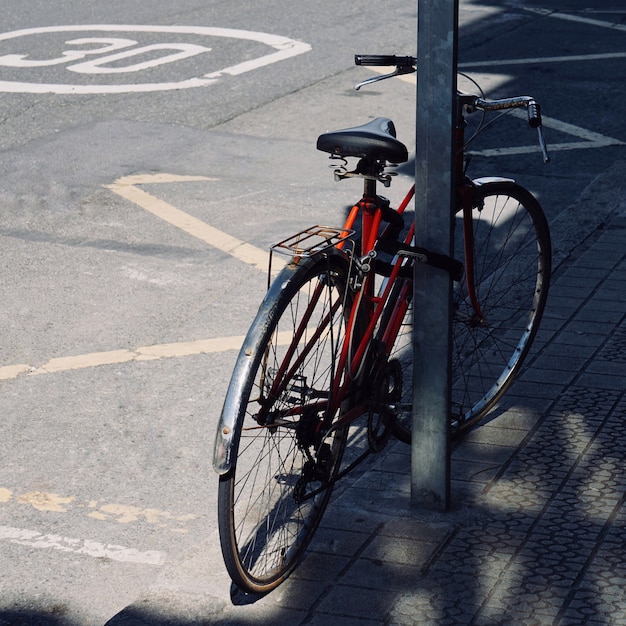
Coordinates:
[434,200]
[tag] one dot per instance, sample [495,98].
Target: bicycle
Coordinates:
[323,377]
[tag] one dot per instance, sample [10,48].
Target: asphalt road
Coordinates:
[119,314]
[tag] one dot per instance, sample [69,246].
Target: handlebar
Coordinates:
[408,65]
[385,60]
[530,104]
[404,65]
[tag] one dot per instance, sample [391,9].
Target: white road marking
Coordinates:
[536,60]
[41,88]
[284,48]
[68,56]
[590,139]
[13,371]
[95,66]
[578,18]
[35,539]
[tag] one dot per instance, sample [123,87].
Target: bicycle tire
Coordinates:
[266,513]
[512,258]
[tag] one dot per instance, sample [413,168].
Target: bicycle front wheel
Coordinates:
[511,275]
[511,272]
[284,455]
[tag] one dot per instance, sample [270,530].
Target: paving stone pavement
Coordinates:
[536,533]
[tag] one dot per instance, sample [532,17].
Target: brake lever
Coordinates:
[534,121]
[399,71]
[542,144]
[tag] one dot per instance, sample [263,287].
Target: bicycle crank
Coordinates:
[382,413]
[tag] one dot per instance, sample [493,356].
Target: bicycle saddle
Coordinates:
[374,140]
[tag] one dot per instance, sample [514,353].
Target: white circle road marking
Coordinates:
[284,48]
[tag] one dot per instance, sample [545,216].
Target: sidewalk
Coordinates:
[537,529]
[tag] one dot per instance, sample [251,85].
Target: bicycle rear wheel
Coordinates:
[512,265]
[284,458]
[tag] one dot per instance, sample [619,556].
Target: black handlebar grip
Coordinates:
[387,60]
[534,114]
[375,59]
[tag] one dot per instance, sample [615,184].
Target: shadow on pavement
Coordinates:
[32,617]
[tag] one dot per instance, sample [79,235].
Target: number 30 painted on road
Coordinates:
[96,66]
[107,49]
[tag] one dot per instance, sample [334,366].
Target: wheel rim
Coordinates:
[512,258]
[510,270]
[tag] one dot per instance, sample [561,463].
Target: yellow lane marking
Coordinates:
[101,511]
[13,371]
[127,188]
[112,357]
[45,501]
[146,353]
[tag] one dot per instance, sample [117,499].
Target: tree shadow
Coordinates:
[23,616]
[132,616]
[523,541]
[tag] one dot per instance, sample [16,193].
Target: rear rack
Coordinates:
[310,241]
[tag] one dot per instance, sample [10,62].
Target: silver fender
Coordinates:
[491,179]
[232,414]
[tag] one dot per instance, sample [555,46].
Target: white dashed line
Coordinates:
[35,539]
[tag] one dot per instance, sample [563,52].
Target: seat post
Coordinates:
[370,169]
[369,188]
[370,219]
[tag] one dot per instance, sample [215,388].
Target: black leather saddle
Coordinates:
[375,140]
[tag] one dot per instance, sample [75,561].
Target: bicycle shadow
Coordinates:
[514,545]
[518,542]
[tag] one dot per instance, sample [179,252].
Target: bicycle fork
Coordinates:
[466,193]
